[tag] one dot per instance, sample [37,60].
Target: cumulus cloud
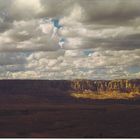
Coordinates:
[56,39]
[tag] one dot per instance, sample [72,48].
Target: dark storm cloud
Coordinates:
[95,11]
[129,42]
[102,11]
[111,12]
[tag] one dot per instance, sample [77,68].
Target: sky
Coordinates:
[69,39]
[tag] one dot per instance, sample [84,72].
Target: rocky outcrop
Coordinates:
[57,86]
[99,86]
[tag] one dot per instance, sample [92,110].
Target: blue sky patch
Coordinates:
[56,23]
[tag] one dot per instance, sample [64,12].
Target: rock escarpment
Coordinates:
[52,86]
[101,86]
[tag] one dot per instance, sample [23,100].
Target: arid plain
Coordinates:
[32,108]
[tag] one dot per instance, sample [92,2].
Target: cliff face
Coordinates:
[120,86]
[66,91]
[43,86]
[57,86]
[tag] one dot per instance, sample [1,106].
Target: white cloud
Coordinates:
[26,8]
[46,28]
[95,39]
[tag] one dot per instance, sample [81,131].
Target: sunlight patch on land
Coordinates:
[113,95]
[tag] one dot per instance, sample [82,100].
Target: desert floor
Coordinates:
[39,118]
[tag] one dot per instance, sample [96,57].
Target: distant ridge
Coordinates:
[99,86]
